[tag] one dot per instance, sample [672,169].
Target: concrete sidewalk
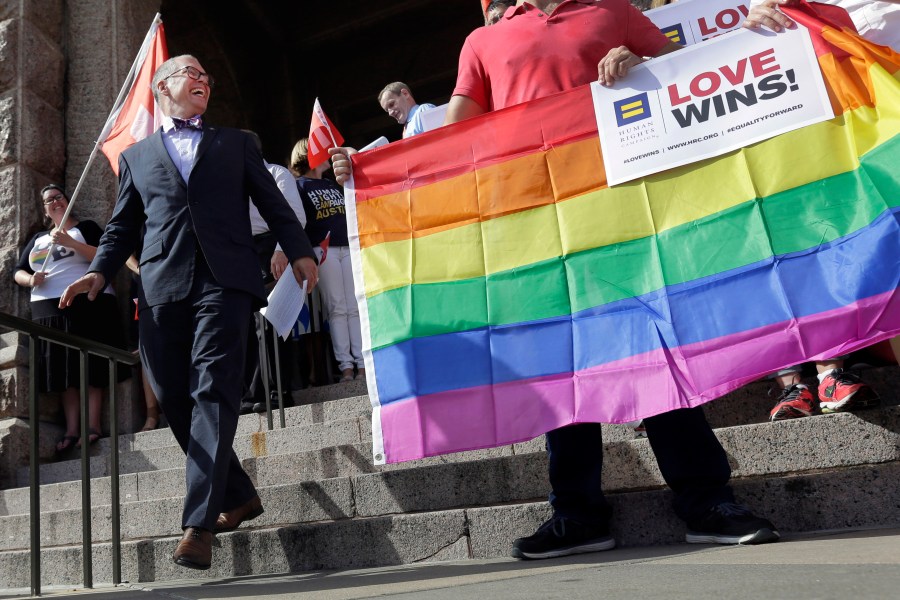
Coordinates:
[845,564]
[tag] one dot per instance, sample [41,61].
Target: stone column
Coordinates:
[32,154]
[103,38]
[61,66]
[32,134]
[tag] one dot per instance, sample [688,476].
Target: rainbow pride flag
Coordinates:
[38,256]
[506,290]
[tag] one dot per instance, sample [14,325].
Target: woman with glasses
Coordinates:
[50,261]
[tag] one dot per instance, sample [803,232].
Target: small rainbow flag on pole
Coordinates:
[39,255]
[506,290]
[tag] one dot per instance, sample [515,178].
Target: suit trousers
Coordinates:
[690,458]
[194,353]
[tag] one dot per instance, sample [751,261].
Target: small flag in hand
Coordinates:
[322,136]
[324,247]
[137,116]
[302,326]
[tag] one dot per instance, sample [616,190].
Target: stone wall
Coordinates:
[103,38]
[62,64]
[32,128]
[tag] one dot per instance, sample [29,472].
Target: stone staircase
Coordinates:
[327,506]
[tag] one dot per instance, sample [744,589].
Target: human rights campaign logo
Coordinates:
[675,33]
[632,109]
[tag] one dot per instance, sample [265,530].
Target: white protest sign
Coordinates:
[693,21]
[432,118]
[707,100]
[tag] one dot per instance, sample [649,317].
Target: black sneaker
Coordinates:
[730,523]
[560,537]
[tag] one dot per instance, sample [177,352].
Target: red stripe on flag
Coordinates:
[476,143]
[816,18]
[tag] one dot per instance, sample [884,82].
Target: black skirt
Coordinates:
[60,367]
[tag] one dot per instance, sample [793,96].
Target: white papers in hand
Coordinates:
[285,302]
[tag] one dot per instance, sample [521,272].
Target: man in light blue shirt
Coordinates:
[397,100]
[184,195]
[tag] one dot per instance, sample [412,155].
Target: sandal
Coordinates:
[93,436]
[152,420]
[150,424]
[66,442]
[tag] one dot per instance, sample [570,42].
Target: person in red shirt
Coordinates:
[540,48]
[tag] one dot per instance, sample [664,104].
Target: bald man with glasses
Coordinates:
[183,205]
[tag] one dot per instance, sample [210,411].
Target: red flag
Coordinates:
[324,246]
[322,136]
[138,115]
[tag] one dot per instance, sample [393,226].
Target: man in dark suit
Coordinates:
[183,202]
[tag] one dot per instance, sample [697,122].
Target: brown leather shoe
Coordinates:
[231,520]
[194,551]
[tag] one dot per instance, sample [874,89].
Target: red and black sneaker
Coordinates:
[795,401]
[841,390]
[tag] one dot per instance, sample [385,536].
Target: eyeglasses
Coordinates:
[53,199]
[195,74]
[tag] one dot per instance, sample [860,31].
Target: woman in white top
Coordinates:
[50,261]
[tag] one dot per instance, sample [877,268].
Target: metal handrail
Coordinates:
[85,347]
[36,332]
[69,340]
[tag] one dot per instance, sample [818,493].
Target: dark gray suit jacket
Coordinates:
[211,210]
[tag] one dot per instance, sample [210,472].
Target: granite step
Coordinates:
[348,421]
[755,451]
[310,465]
[858,438]
[297,438]
[749,404]
[158,450]
[794,503]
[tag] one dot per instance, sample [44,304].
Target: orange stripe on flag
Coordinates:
[494,191]
[847,75]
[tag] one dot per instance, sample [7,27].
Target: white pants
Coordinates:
[336,287]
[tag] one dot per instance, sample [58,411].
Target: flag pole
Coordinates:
[107,126]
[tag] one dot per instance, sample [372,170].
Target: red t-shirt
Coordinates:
[529,55]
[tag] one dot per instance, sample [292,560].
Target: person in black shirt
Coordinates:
[323,201]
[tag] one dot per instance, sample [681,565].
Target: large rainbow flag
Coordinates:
[506,290]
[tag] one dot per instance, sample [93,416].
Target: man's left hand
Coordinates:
[306,269]
[615,65]
[278,264]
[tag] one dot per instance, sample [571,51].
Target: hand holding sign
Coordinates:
[615,65]
[766,14]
